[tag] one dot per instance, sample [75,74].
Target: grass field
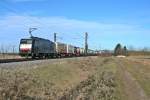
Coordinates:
[9,56]
[91,78]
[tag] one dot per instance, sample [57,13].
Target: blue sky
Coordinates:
[108,22]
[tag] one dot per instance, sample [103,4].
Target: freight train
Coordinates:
[36,47]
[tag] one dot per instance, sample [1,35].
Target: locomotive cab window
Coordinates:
[26,41]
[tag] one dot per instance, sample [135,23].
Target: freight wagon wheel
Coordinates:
[27,56]
[32,55]
[59,56]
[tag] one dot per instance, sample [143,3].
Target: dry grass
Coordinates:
[9,56]
[44,81]
[101,85]
[92,78]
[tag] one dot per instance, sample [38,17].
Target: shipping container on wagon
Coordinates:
[82,51]
[61,48]
[89,51]
[70,49]
[77,51]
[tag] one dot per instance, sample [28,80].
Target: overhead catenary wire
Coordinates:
[71,38]
[71,41]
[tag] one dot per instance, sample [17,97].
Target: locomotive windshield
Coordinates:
[26,41]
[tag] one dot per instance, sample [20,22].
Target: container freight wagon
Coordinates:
[70,50]
[77,51]
[82,51]
[91,52]
[37,47]
[61,49]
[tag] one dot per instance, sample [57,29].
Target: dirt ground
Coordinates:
[131,89]
[85,78]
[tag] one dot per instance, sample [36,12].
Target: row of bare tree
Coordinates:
[122,50]
[4,49]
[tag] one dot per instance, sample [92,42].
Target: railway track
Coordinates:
[22,60]
[15,60]
[30,59]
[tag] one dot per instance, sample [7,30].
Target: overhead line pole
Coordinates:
[86,42]
[55,37]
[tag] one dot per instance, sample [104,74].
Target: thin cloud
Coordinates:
[64,24]
[17,27]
